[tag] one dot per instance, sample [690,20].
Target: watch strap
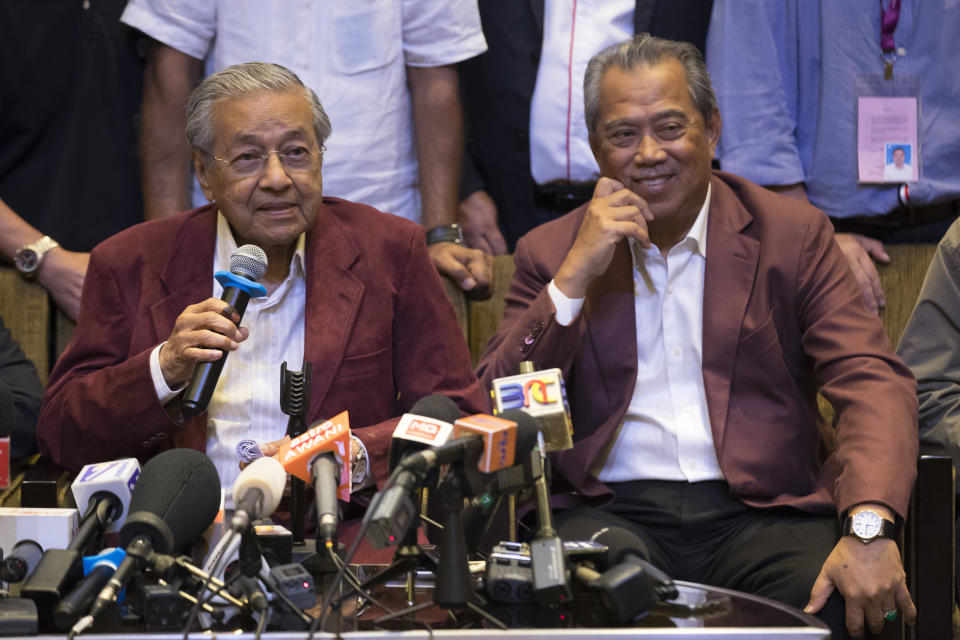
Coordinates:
[446,233]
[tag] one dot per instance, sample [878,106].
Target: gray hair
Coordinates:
[644,49]
[242,80]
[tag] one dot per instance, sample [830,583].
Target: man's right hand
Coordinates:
[858,251]
[198,335]
[614,213]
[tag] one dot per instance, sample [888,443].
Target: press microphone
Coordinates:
[102,492]
[257,491]
[321,455]
[550,578]
[247,265]
[21,560]
[176,499]
[492,441]
[541,394]
[429,423]
[97,571]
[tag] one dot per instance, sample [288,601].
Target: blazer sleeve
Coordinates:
[872,392]
[930,346]
[528,329]
[20,394]
[100,402]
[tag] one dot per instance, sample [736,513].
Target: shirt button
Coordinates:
[901,51]
[670,289]
[677,351]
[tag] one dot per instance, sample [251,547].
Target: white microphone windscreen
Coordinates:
[267,475]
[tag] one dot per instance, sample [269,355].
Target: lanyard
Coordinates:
[888,24]
[891,16]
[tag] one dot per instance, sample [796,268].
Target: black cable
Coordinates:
[195,610]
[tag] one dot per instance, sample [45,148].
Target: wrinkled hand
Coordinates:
[858,250]
[614,213]
[871,580]
[61,274]
[197,335]
[472,269]
[478,220]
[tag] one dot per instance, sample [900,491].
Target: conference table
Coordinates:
[699,612]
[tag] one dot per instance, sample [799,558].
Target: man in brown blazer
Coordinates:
[350,290]
[695,317]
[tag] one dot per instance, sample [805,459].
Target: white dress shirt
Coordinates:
[246,402]
[353,54]
[573,32]
[665,434]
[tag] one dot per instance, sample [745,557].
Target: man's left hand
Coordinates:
[472,269]
[871,580]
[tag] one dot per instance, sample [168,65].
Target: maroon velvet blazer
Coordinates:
[782,318]
[380,333]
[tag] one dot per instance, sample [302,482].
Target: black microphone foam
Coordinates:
[175,500]
[527,432]
[620,541]
[437,407]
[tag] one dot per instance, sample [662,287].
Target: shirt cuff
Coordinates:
[567,309]
[164,393]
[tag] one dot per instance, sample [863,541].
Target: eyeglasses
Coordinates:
[249,164]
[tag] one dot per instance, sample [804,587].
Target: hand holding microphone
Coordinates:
[205,333]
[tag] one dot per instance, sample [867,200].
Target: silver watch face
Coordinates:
[867,524]
[27,260]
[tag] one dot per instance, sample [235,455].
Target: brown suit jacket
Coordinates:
[380,333]
[782,318]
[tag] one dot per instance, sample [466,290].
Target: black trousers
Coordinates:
[700,533]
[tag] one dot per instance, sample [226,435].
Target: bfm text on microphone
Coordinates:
[176,499]
[322,455]
[247,265]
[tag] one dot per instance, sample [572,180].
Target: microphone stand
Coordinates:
[294,402]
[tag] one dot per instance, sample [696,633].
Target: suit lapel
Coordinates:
[187,277]
[610,317]
[731,271]
[536,7]
[334,294]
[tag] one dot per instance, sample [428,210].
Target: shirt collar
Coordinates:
[696,235]
[227,245]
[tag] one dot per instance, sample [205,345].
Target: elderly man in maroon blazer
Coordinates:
[695,317]
[350,290]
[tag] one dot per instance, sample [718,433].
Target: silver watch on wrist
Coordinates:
[358,463]
[28,257]
[868,525]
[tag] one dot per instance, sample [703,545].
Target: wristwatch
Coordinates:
[358,464]
[868,526]
[28,257]
[446,233]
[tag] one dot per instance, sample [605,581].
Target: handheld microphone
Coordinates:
[21,560]
[176,499]
[541,394]
[247,265]
[257,491]
[321,455]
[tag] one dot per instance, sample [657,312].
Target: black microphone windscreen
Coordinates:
[527,431]
[619,540]
[181,487]
[437,407]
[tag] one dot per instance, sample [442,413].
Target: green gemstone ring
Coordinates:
[890,616]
